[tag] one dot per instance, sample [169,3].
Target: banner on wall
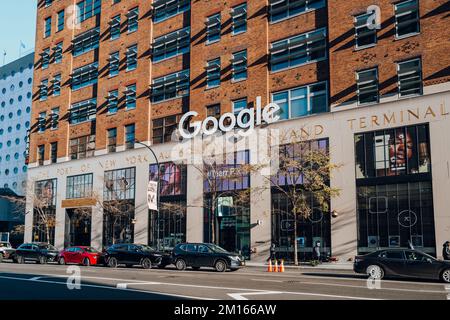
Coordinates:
[152,195]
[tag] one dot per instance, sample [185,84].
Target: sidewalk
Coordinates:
[324,266]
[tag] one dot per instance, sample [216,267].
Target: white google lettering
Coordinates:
[245,119]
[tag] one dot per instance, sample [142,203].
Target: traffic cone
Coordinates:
[275,269]
[282,266]
[270,268]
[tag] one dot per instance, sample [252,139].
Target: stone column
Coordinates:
[97,212]
[194,202]
[141,210]
[61,227]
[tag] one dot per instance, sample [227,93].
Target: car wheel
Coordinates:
[180,264]
[220,266]
[61,261]
[20,260]
[42,260]
[445,276]
[196,268]
[86,262]
[112,262]
[375,272]
[146,263]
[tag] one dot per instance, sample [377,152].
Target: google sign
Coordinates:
[245,119]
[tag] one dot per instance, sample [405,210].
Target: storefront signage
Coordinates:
[399,117]
[245,119]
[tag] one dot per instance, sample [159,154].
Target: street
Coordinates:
[31,281]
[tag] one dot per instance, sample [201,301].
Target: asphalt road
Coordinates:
[31,281]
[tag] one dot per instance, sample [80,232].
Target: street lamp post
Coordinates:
[158,189]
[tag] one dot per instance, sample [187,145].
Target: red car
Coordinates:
[86,256]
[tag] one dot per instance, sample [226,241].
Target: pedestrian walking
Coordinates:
[446,250]
[316,252]
[272,252]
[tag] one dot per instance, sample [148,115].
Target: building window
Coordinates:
[82,147]
[132,53]
[239,66]
[283,9]
[42,120]
[83,111]
[86,42]
[133,19]
[213,111]
[302,101]
[410,77]
[238,106]
[113,97]
[56,85]
[88,9]
[129,136]
[393,152]
[164,9]
[80,186]
[367,86]
[120,184]
[163,128]
[112,140]
[58,53]
[45,58]
[298,50]
[407,18]
[48,3]
[213,28]
[239,19]
[172,86]
[365,35]
[41,154]
[43,90]
[54,152]
[61,21]
[114,27]
[48,27]
[171,45]
[85,76]
[114,64]
[213,73]
[54,121]
[130,97]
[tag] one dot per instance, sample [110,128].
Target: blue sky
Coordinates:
[17,23]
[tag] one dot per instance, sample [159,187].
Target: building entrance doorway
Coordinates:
[79,227]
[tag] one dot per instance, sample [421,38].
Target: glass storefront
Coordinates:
[394,189]
[119,206]
[79,227]
[44,215]
[227,221]
[311,230]
[167,227]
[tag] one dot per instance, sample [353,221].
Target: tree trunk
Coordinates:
[47,232]
[295,240]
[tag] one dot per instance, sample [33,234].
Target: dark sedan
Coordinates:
[36,251]
[135,254]
[402,263]
[197,255]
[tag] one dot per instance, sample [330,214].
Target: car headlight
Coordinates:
[235,258]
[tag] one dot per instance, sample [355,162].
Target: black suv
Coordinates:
[36,251]
[135,254]
[197,255]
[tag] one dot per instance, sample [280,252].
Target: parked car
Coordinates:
[36,251]
[135,254]
[86,256]
[402,263]
[6,250]
[198,255]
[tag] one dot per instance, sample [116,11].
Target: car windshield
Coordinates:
[218,249]
[146,248]
[90,250]
[46,247]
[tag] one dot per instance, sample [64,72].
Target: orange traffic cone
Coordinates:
[270,268]
[275,269]
[282,266]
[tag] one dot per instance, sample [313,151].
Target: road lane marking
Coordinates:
[267,280]
[240,296]
[108,287]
